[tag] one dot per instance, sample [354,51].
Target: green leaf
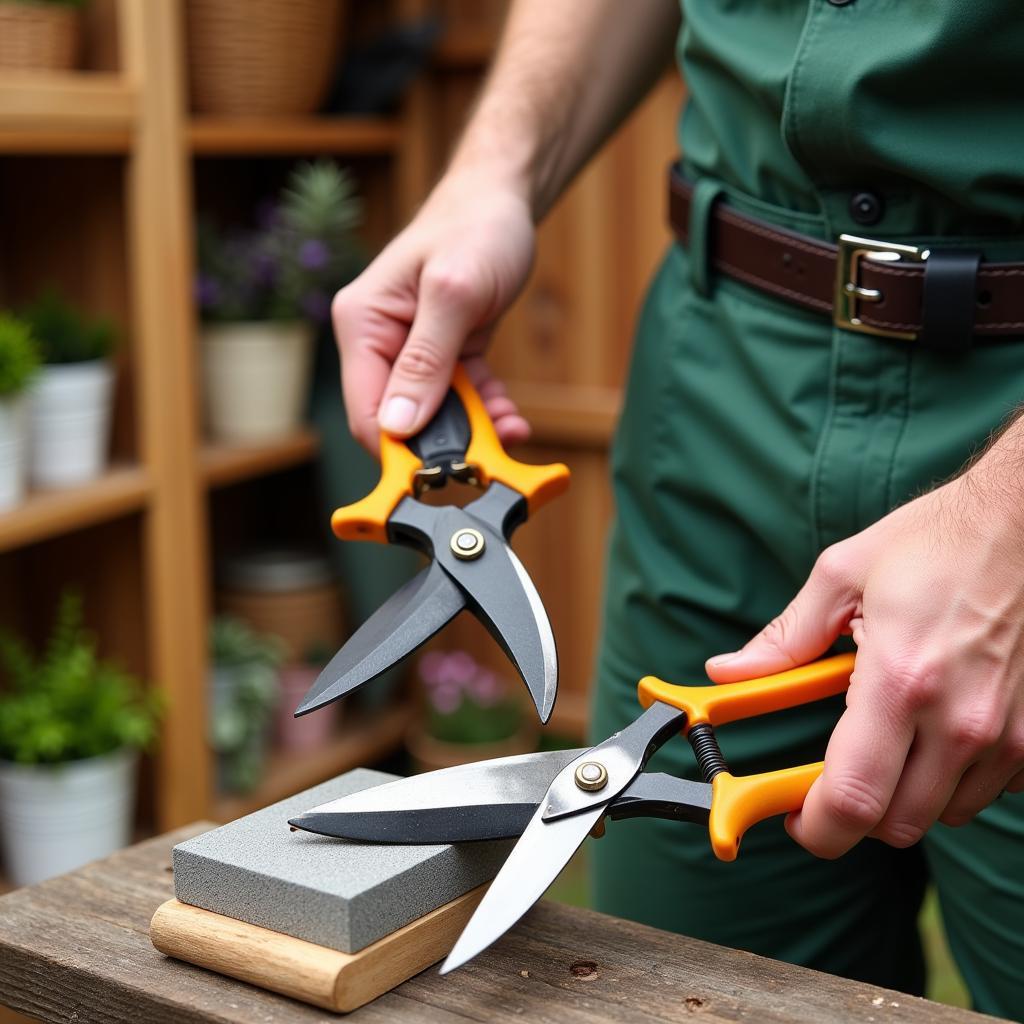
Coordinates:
[19,354]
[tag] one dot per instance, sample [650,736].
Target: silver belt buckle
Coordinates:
[849,293]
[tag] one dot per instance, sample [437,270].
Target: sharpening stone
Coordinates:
[336,893]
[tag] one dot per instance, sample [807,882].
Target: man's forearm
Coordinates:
[566,73]
[996,476]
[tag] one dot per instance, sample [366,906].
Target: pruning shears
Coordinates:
[553,800]
[471,564]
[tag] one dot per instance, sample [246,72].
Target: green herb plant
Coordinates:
[66,335]
[67,704]
[19,355]
[241,711]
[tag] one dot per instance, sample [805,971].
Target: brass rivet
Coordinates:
[591,776]
[467,544]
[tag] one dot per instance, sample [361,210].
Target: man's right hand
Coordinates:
[430,298]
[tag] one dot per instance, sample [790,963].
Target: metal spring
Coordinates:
[706,749]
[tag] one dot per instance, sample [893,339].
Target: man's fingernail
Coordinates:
[722,659]
[398,414]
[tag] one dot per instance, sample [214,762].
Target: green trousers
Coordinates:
[754,435]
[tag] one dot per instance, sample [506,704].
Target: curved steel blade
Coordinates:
[534,863]
[487,800]
[409,618]
[501,594]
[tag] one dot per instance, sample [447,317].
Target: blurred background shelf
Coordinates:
[46,514]
[222,464]
[363,739]
[339,136]
[66,112]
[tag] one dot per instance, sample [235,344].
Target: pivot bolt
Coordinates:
[467,544]
[591,776]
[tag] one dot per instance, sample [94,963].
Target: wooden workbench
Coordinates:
[77,949]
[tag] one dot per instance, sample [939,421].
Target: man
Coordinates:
[767,450]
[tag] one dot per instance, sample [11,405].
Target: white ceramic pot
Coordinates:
[54,818]
[256,378]
[70,423]
[13,449]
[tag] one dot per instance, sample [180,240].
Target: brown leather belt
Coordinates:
[939,298]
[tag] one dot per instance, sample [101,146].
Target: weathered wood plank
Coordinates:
[77,949]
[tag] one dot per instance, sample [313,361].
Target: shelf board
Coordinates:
[465,50]
[343,136]
[46,514]
[363,739]
[65,112]
[222,464]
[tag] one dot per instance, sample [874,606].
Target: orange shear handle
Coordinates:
[741,801]
[367,519]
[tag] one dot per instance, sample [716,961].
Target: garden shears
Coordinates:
[471,564]
[554,799]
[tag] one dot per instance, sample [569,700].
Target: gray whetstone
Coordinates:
[335,893]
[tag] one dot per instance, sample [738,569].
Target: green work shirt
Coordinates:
[806,103]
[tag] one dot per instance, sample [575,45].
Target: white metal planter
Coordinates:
[70,423]
[54,818]
[13,450]
[256,378]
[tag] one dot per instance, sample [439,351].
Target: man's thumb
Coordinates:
[419,380]
[806,629]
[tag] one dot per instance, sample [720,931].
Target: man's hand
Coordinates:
[430,297]
[933,595]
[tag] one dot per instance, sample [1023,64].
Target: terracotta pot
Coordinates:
[309,731]
[256,378]
[40,37]
[428,753]
[262,57]
[289,593]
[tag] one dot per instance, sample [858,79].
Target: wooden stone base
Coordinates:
[303,970]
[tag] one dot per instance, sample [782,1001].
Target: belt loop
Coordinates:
[705,193]
[949,300]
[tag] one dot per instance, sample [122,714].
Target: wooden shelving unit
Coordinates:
[340,136]
[117,146]
[229,464]
[120,491]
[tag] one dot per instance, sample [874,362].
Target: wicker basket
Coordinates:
[261,57]
[41,37]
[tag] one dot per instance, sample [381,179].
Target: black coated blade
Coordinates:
[410,617]
[486,800]
[502,596]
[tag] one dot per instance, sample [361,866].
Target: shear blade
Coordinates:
[534,863]
[409,618]
[486,800]
[503,597]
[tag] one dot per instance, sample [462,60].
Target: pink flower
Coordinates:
[486,688]
[445,699]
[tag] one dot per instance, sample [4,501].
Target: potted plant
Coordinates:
[71,402]
[243,696]
[261,292]
[296,678]
[471,714]
[71,727]
[263,57]
[39,34]
[19,361]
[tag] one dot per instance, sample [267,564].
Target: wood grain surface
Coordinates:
[77,949]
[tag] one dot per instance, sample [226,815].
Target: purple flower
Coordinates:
[264,268]
[461,667]
[313,254]
[486,688]
[207,291]
[316,306]
[445,699]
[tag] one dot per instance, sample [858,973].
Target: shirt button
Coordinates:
[866,208]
